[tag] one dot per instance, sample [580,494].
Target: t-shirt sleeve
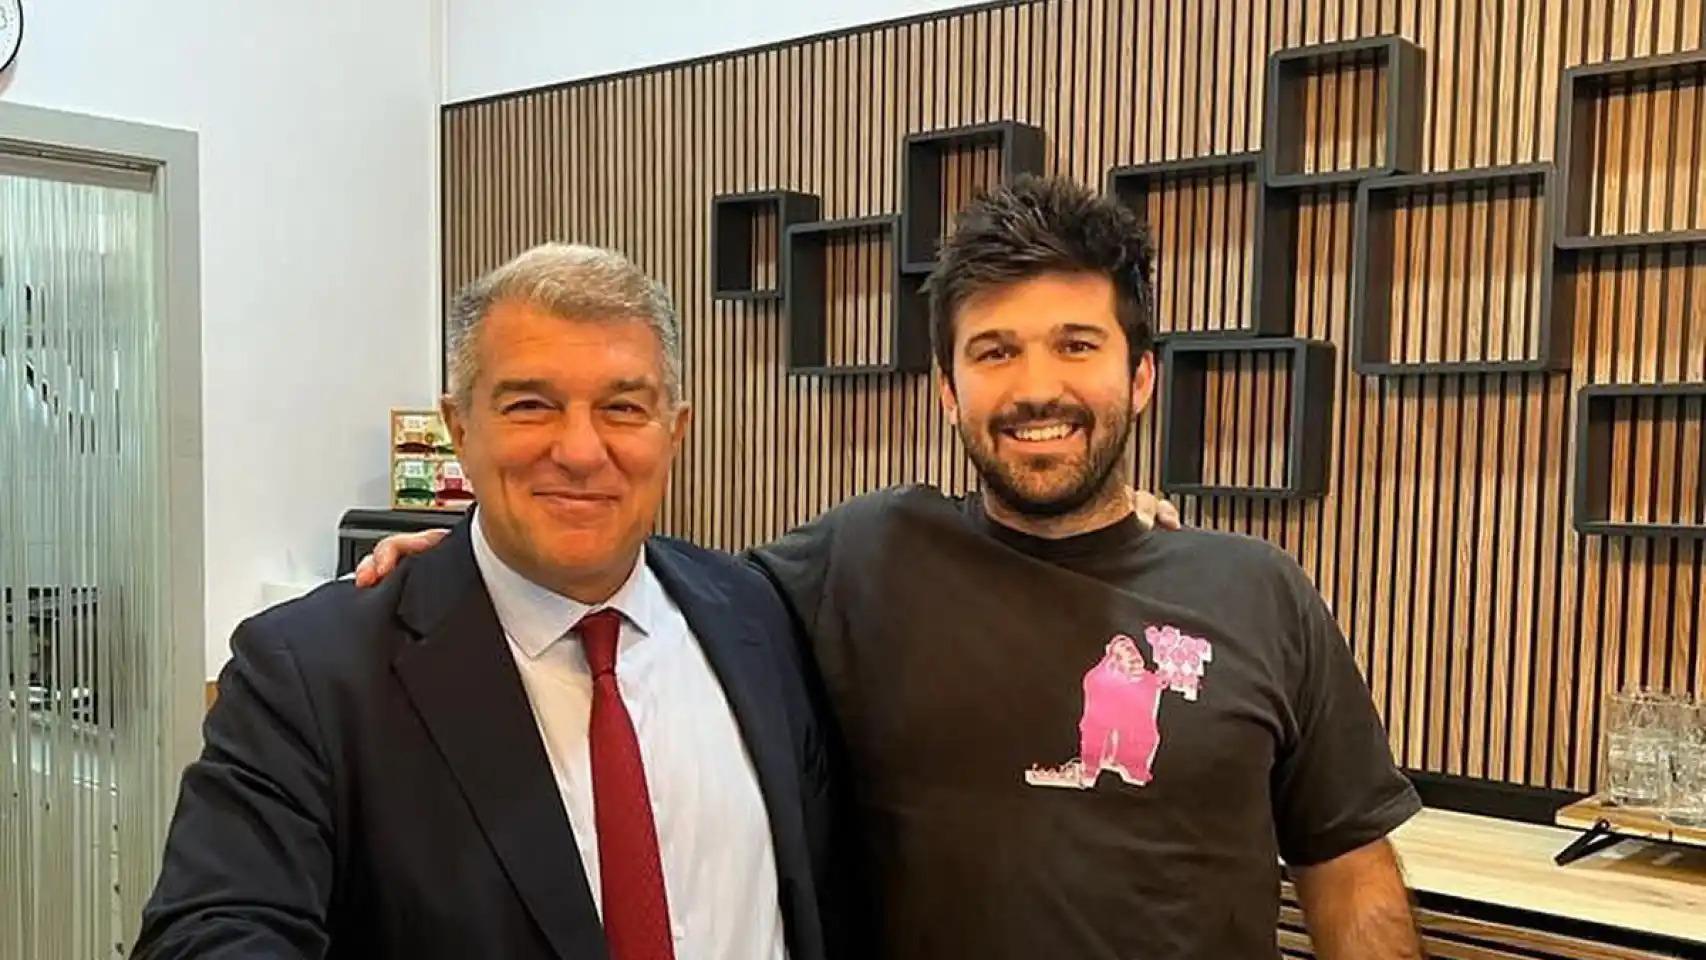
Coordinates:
[1335,787]
[798,564]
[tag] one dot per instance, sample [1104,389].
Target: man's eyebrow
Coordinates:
[520,386]
[1083,328]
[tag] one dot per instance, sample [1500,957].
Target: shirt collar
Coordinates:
[535,617]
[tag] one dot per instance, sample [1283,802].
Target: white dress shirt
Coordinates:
[719,867]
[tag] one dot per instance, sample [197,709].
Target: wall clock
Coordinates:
[11,30]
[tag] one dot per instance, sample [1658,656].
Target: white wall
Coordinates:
[495,46]
[318,124]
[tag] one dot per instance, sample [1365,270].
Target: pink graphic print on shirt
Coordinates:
[1179,659]
[1120,729]
[1122,702]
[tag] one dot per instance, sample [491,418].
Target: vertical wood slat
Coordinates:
[1487,307]
[1647,152]
[1487,628]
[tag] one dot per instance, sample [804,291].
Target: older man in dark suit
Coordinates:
[553,735]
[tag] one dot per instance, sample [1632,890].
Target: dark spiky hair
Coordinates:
[1039,225]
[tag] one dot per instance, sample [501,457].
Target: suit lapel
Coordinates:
[464,684]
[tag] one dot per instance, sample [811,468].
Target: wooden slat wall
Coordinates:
[1246,433]
[856,291]
[1486,627]
[1345,107]
[1450,305]
[766,251]
[966,172]
[1651,137]
[1658,461]
[1204,235]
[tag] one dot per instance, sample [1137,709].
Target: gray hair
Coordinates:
[569,280]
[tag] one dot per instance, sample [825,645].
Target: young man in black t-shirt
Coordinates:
[1066,736]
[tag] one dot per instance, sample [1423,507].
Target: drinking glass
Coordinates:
[1637,747]
[1686,801]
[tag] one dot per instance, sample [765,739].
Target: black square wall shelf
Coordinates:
[804,268]
[1019,145]
[1377,249]
[1309,417]
[1273,254]
[1289,73]
[1581,96]
[734,218]
[1663,473]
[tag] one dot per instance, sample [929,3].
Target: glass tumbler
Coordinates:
[1685,804]
[1637,748]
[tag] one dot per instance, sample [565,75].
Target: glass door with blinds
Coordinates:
[85,651]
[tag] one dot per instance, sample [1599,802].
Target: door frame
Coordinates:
[64,145]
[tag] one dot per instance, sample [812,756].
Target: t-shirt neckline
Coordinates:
[1121,535]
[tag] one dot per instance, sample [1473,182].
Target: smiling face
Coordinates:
[1043,392]
[568,433]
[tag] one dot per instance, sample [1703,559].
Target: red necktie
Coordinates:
[636,909]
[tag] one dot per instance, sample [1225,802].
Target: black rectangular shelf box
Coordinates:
[1593,460]
[1580,88]
[1273,262]
[1372,257]
[803,284]
[1184,370]
[732,215]
[1288,71]
[921,227]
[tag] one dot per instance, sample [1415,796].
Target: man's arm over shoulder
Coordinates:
[249,863]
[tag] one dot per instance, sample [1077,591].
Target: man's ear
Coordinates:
[1143,383]
[682,425]
[950,402]
[452,414]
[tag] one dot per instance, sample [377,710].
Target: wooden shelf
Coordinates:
[734,246]
[1581,95]
[1374,258]
[1634,241]
[803,271]
[921,215]
[1273,237]
[1184,373]
[851,370]
[1284,123]
[1629,822]
[1596,449]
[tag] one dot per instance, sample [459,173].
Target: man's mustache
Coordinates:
[1023,414]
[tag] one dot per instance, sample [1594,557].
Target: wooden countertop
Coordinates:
[1636,885]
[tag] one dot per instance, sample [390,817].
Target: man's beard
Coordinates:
[1086,476]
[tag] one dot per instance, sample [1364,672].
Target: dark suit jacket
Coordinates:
[373,783]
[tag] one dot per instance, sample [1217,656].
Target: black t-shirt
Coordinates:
[1094,747]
